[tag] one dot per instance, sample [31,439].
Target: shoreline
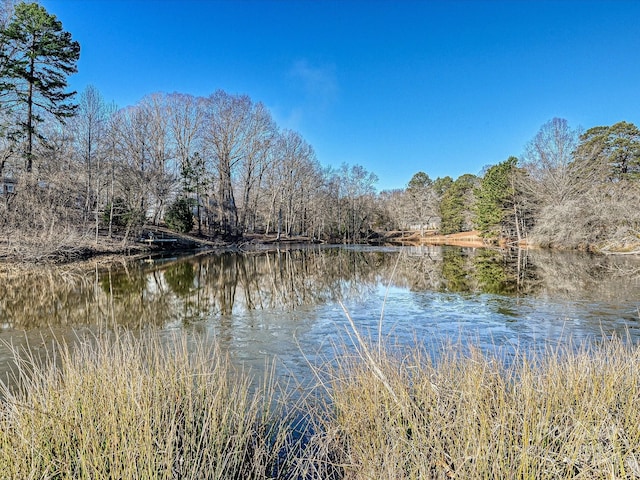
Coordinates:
[77,249]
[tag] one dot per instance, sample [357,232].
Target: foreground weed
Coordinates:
[117,406]
[120,407]
[563,413]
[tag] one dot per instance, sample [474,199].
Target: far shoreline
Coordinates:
[109,250]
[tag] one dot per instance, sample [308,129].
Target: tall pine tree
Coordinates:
[456,205]
[495,201]
[42,56]
[612,151]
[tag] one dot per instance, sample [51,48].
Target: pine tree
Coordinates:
[43,55]
[612,151]
[495,197]
[456,205]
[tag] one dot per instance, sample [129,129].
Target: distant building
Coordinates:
[7,186]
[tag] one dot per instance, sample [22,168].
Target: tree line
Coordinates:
[569,189]
[81,168]
[217,163]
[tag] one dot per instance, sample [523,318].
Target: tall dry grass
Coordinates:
[148,408]
[564,412]
[127,408]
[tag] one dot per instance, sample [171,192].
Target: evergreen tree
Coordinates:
[456,206]
[180,216]
[441,185]
[614,151]
[419,182]
[495,198]
[41,57]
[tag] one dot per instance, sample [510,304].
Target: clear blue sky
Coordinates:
[445,87]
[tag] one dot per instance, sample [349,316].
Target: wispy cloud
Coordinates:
[318,82]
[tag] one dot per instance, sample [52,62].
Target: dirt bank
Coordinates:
[415,238]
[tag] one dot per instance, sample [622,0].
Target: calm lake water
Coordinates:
[286,303]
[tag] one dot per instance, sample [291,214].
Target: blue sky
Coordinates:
[444,87]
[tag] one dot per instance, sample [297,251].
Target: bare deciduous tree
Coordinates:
[90,131]
[287,180]
[358,188]
[144,169]
[186,123]
[261,134]
[548,161]
[226,136]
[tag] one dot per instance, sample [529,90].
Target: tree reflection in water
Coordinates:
[199,287]
[284,301]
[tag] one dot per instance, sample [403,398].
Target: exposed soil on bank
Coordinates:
[415,238]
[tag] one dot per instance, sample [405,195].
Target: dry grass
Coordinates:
[564,413]
[141,409]
[60,245]
[148,408]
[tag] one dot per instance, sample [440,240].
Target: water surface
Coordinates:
[286,304]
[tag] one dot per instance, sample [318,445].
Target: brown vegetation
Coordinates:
[119,407]
[564,413]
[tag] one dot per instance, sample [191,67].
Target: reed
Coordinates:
[564,412]
[116,406]
[151,407]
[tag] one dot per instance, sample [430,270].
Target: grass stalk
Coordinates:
[119,407]
[569,412]
[148,407]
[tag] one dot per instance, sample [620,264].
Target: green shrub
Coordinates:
[179,215]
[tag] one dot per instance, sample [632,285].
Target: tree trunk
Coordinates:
[227,204]
[112,200]
[279,223]
[97,213]
[517,222]
[30,117]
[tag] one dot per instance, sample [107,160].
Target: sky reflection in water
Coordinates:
[285,303]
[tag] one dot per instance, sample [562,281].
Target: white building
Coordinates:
[7,186]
